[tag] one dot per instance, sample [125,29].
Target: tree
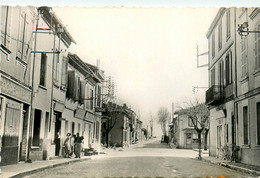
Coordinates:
[163,117]
[199,115]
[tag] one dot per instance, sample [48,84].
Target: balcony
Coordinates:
[214,95]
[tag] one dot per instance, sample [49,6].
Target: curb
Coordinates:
[22,174]
[237,168]
[241,169]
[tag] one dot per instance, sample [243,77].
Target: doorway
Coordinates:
[57,116]
[23,144]
[36,127]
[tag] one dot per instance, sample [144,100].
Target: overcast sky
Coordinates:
[150,52]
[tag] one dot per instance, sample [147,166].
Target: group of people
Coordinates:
[73,144]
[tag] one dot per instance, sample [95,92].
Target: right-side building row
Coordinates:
[233,96]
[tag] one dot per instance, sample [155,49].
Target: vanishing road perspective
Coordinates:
[151,159]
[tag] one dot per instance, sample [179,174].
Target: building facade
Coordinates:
[233,95]
[184,132]
[16,81]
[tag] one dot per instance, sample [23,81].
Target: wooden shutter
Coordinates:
[64,74]
[82,91]
[71,83]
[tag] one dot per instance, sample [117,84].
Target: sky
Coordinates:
[150,52]
[147,46]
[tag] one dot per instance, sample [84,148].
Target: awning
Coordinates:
[59,107]
[79,113]
[90,117]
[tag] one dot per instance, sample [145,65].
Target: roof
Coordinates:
[215,21]
[82,66]
[53,22]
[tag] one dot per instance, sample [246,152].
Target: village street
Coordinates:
[148,160]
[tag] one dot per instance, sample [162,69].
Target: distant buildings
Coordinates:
[234,93]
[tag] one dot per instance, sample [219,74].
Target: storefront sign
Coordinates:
[15,90]
[59,107]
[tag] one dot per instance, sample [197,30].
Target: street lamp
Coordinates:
[243,30]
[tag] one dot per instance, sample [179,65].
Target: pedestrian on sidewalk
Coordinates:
[79,146]
[72,145]
[67,146]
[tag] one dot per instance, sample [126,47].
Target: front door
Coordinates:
[57,132]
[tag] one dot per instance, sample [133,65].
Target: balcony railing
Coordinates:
[215,95]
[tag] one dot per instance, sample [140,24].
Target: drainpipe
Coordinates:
[32,94]
[235,103]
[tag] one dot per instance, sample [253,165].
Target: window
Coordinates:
[22,35]
[91,98]
[64,77]
[245,125]
[212,76]
[243,57]
[258,122]
[229,68]
[213,45]
[190,123]
[227,133]
[98,96]
[220,36]
[5,31]
[56,68]
[221,73]
[257,47]
[5,23]
[43,69]
[228,22]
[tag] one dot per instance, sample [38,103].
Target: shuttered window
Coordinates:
[43,69]
[82,91]
[220,36]
[228,22]
[243,57]
[71,84]
[64,73]
[257,47]
[212,75]
[213,45]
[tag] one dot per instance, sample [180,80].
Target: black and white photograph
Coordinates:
[117,90]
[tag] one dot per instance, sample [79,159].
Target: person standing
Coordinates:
[76,145]
[72,144]
[67,146]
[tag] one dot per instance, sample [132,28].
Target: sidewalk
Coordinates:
[249,169]
[23,169]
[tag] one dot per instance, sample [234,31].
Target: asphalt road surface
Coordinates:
[149,160]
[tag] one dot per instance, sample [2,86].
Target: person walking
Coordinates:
[67,146]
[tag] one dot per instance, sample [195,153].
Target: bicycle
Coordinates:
[224,153]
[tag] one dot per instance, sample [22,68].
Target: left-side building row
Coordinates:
[45,91]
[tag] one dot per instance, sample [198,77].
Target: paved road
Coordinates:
[149,160]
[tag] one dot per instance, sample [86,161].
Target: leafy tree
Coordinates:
[163,118]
